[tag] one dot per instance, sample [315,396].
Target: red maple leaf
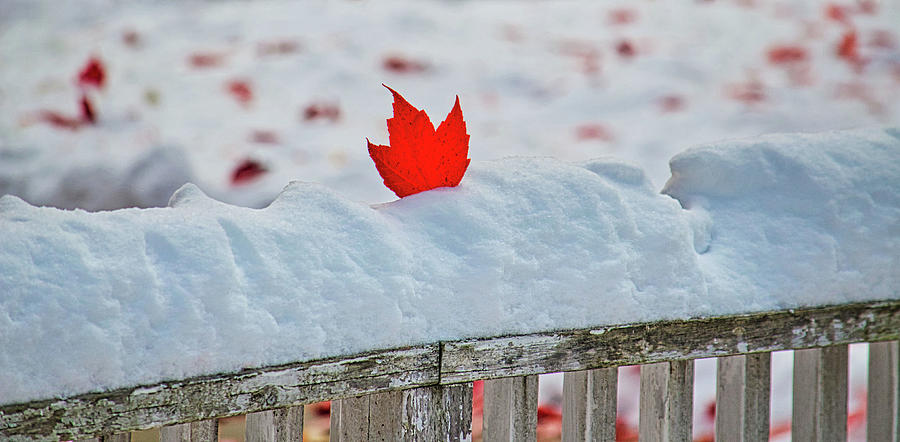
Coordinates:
[420,158]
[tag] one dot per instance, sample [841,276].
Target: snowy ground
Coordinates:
[195,90]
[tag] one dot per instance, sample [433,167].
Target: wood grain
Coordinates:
[279,425]
[510,409]
[743,383]
[820,394]
[207,397]
[589,405]
[667,402]
[883,395]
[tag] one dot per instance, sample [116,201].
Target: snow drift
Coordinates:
[110,299]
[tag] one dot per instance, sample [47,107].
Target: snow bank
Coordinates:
[100,300]
[794,220]
[109,299]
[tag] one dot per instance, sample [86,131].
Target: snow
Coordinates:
[787,220]
[136,296]
[541,79]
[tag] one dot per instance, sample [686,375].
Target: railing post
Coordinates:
[820,394]
[203,431]
[742,397]
[280,425]
[667,401]
[883,397]
[510,409]
[589,405]
[438,413]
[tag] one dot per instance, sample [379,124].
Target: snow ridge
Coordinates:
[102,300]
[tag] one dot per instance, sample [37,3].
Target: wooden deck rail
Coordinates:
[424,393]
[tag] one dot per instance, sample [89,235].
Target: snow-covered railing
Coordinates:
[425,392]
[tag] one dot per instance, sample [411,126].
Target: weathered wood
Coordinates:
[491,358]
[439,413]
[424,414]
[279,425]
[883,396]
[350,419]
[510,409]
[203,431]
[252,390]
[820,394]
[221,395]
[667,402]
[742,397]
[589,405]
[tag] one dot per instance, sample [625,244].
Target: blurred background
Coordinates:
[106,104]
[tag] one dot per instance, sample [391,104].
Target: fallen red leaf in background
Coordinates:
[867,6]
[93,74]
[848,49]
[837,13]
[248,170]
[403,65]
[264,137]
[625,48]
[131,38]
[240,90]
[593,131]
[783,54]
[625,432]
[622,16]
[278,47]
[671,103]
[549,422]
[883,39]
[322,111]
[420,158]
[751,92]
[87,110]
[59,120]
[205,59]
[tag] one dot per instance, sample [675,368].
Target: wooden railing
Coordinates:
[424,393]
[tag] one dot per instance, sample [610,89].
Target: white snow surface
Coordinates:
[99,300]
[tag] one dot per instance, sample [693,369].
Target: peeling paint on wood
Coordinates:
[220,395]
[426,414]
[572,350]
